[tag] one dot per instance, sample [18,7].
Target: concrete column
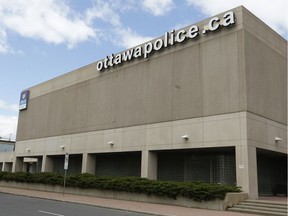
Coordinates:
[88,164]
[43,163]
[246,170]
[18,165]
[47,164]
[149,164]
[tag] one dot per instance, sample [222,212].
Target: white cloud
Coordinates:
[49,20]
[273,13]
[158,7]
[54,21]
[103,11]
[4,47]
[110,12]
[128,38]
[6,106]
[8,125]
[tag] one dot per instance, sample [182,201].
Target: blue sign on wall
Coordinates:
[24,98]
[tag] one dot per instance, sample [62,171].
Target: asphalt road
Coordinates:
[13,205]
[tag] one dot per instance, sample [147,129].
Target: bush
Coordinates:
[18,177]
[198,191]
[48,178]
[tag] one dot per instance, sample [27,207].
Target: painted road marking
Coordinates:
[50,213]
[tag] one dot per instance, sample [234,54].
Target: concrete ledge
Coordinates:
[230,199]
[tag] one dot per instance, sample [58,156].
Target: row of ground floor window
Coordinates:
[214,165]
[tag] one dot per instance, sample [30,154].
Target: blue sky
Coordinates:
[40,40]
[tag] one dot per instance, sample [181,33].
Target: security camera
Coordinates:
[185,137]
[62,147]
[111,143]
[278,139]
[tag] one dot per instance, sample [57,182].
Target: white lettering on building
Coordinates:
[169,39]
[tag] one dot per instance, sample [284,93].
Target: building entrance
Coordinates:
[272,173]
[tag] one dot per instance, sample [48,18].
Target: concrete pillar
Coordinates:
[88,164]
[43,163]
[18,164]
[149,164]
[47,164]
[246,170]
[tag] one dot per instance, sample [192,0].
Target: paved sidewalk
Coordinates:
[154,209]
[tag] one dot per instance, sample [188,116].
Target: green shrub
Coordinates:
[48,178]
[2,174]
[198,191]
[18,177]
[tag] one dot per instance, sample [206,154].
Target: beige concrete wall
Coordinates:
[266,80]
[266,70]
[240,68]
[213,131]
[194,80]
[261,133]
[6,159]
[6,156]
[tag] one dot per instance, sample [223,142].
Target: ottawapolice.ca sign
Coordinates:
[169,39]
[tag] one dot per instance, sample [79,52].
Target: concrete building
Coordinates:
[7,145]
[207,102]
[7,148]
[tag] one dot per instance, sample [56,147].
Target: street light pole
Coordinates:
[66,162]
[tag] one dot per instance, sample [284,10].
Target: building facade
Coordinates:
[7,148]
[207,102]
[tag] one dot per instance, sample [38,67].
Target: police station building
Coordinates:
[207,102]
